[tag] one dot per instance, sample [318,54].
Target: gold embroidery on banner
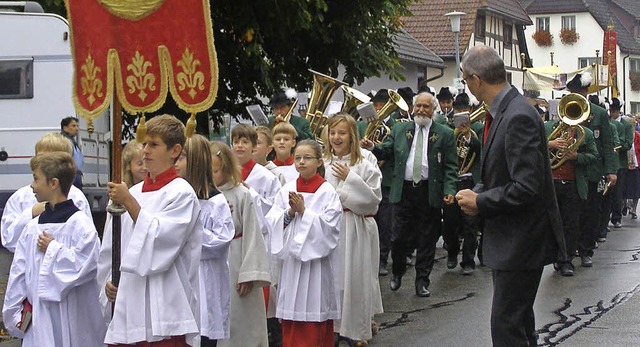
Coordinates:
[189,77]
[140,79]
[131,9]
[91,85]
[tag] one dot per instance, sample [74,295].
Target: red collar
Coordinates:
[287,162]
[246,168]
[309,186]
[161,180]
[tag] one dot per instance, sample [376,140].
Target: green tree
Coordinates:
[264,45]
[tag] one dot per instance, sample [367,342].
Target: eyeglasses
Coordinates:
[305,158]
[464,79]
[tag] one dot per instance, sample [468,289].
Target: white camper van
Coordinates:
[36,71]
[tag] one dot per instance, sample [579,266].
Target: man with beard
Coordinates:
[425,164]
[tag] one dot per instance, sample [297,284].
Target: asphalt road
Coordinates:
[599,306]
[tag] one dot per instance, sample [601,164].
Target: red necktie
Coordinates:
[487,126]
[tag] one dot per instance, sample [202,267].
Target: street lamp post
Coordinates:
[455,17]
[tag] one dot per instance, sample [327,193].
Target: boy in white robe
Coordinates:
[264,146]
[248,260]
[358,183]
[157,297]
[54,266]
[23,206]
[284,139]
[304,222]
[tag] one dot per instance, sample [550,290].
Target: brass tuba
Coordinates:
[321,93]
[353,98]
[573,109]
[377,131]
[465,161]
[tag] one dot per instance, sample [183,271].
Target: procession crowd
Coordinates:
[281,238]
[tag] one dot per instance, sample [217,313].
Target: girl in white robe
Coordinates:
[194,165]
[304,224]
[248,260]
[358,183]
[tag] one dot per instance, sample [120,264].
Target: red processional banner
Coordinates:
[609,58]
[142,50]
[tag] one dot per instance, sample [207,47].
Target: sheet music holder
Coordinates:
[257,115]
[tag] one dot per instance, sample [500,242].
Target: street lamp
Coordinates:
[455,17]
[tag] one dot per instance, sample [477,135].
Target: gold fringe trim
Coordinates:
[141,130]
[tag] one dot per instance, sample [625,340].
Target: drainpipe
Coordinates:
[624,85]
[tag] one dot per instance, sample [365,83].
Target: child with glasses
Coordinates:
[304,224]
[248,260]
[358,183]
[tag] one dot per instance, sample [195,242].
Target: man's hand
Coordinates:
[37,209]
[111,291]
[244,288]
[44,240]
[573,155]
[366,144]
[467,201]
[448,199]
[557,143]
[612,178]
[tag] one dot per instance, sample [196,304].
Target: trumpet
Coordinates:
[573,109]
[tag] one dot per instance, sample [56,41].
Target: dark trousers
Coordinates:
[512,319]
[590,217]
[384,220]
[616,196]
[569,204]
[418,226]
[458,225]
[604,211]
[206,342]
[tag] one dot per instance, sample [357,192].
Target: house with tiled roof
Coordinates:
[496,23]
[589,19]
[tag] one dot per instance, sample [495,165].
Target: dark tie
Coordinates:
[487,126]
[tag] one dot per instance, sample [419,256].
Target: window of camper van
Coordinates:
[16,79]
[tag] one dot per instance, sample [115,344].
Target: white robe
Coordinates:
[214,268]
[266,185]
[160,256]
[60,284]
[275,169]
[308,290]
[359,246]
[248,261]
[17,213]
[289,172]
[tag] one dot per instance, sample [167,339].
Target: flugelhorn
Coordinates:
[466,158]
[377,131]
[573,109]
[321,93]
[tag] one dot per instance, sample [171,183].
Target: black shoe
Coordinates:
[586,261]
[566,270]
[634,216]
[602,239]
[452,262]
[422,291]
[556,266]
[382,271]
[617,225]
[395,283]
[467,271]
[625,210]
[408,261]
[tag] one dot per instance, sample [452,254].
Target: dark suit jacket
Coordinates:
[522,225]
[441,156]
